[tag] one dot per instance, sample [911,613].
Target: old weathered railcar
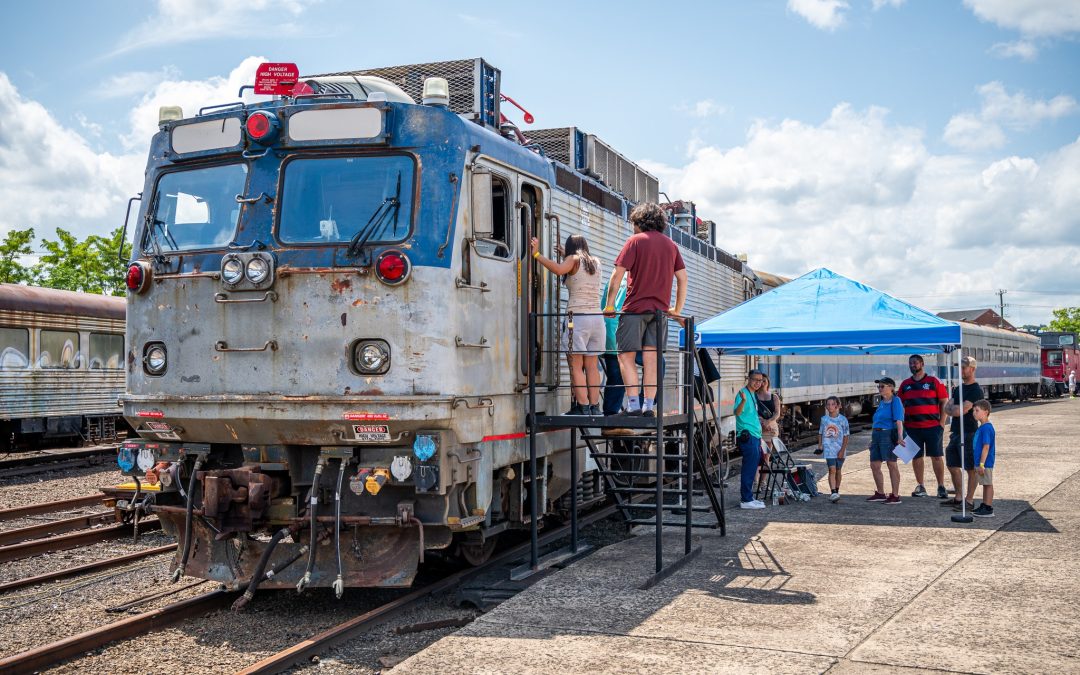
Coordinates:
[61,366]
[327,321]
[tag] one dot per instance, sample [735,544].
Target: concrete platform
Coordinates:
[851,587]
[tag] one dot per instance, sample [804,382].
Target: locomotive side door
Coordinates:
[532,222]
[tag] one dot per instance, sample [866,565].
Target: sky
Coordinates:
[929,148]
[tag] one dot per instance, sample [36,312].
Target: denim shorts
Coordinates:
[881,445]
[838,462]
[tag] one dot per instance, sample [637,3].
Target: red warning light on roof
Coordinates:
[276,79]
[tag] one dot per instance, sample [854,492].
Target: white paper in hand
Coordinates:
[906,450]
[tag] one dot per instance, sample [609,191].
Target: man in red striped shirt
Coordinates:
[924,398]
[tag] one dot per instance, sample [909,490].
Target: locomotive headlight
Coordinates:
[257,270]
[155,358]
[232,270]
[371,357]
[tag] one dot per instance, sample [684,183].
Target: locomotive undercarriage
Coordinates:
[395,503]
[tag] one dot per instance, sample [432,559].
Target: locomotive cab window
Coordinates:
[195,209]
[59,349]
[499,244]
[14,348]
[347,200]
[106,351]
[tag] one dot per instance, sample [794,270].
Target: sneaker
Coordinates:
[759,502]
[575,409]
[819,451]
[893,499]
[594,410]
[636,412]
[920,491]
[952,501]
[942,493]
[970,506]
[876,497]
[983,511]
[834,497]
[648,412]
[752,505]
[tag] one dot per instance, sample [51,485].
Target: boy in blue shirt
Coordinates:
[833,435]
[888,430]
[985,450]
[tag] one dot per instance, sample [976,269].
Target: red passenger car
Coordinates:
[1060,354]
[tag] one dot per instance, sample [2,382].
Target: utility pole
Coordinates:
[1001,301]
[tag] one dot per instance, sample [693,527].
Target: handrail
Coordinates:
[223,298]
[222,346]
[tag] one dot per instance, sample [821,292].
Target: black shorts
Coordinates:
[952,453]
[928,440]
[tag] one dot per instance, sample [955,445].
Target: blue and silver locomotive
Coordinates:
[327,322]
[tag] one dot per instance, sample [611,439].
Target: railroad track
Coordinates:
[14,467]
[64,542]
[147,622]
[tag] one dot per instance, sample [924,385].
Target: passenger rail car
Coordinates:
[1060,355]
[61,366]
[327,308]
[1008,369]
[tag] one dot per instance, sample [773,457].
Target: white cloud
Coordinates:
[970,131]
[1050,18]
[1025,50]
[135,83]
[1020,112]
[823,14]
[703,109]
[178,21]
[189,95]
[50,176]
[867,198]
[878,4]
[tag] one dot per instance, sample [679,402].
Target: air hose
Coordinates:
[179,572]
[314,512]
[257,575]
[339,583]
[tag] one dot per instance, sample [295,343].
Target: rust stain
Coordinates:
[348,390]
[358,302]
[375,391]
[341,285]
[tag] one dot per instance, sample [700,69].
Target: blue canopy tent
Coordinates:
[824,313]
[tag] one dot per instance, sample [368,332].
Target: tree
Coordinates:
[90,266]
[1066,320]
[15,244]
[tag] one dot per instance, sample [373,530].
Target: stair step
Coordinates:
[670,523]
[668,507]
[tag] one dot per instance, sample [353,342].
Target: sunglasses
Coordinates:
[882,386]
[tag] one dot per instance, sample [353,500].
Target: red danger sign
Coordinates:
[276,78]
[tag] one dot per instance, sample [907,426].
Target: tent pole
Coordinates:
[964,516]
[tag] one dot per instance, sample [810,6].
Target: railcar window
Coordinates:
[106,351]
[499,243]
[195,209]
[59,349]
[335,200]
[14,348]
[1053,359]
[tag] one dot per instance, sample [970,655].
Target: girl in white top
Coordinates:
[583,276]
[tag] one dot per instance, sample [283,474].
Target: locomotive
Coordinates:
[327,322]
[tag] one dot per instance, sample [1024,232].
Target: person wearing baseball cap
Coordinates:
[888,429]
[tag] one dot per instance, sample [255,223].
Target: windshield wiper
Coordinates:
[153,224]
[374,223]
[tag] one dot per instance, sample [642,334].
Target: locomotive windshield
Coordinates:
[1053,359]
[195,209]
[356,200]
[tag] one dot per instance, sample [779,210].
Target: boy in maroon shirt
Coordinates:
[924,398]
[652,261]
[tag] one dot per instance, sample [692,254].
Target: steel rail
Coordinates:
[133,626]
[49,507]
[313,646]
[55,527]
[83,453]
[83,569]
[65,542]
